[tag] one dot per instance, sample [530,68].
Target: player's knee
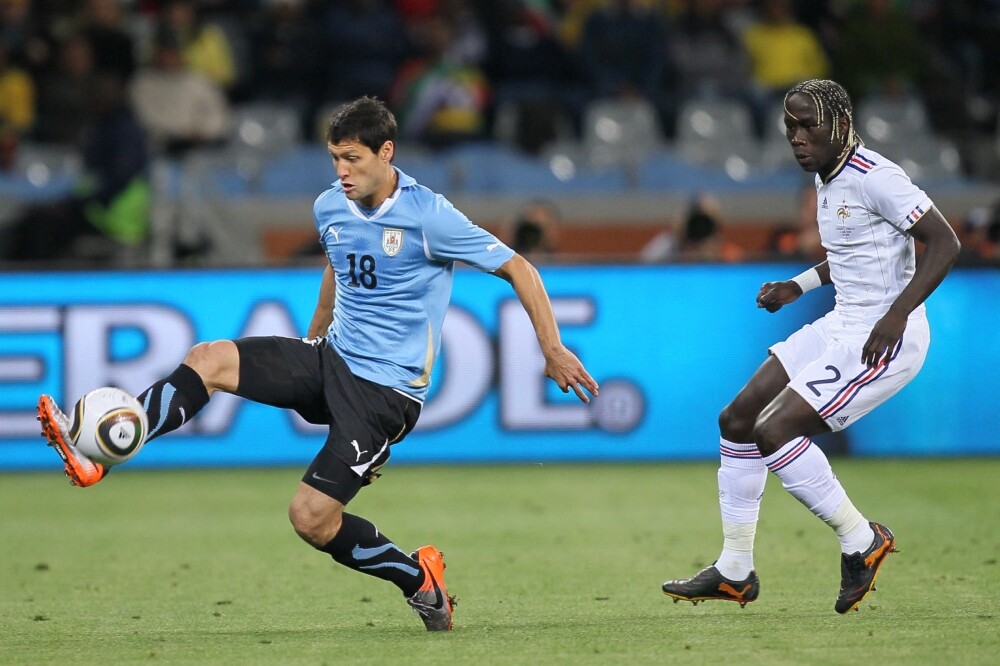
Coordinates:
[314,527]
[734,425]
[217,363]
[767,435]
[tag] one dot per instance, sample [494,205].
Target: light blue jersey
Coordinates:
[394,268]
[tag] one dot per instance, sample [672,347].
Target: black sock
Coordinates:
[360,546]
[174,400]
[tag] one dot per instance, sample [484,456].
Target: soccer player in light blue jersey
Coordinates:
[365,365]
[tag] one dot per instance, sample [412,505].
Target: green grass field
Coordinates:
[551,564]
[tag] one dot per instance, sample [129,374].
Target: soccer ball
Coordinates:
[109,426]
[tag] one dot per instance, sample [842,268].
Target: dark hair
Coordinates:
[366,120]
[830,99]
[700,226]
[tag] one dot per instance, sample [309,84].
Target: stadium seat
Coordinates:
[531,126]
[46,167]
[492,169]
[270,129]
[620,132]
[719,133]
[891,120]
[929,159]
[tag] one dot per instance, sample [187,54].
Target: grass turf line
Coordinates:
[552,564]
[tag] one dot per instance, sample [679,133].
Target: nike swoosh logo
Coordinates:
[438,597]
[492,246]
[320,478]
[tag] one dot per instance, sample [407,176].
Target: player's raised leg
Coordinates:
[174,400]
[805,472]
[169,404]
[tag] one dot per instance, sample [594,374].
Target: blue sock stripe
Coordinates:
[166,397]
[360,553]
[394,565]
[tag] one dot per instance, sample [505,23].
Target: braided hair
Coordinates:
[830,98]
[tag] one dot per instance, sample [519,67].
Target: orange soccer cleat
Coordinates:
[56,429]
[431,601]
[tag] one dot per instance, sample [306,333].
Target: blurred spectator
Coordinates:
[287,61]
[29,45]
[468,40]
[366,45]
[64,95]
[799,241]
[111,200]
[17,107]
[707,55]
[534,232]
[782,52]
[696,237]
[879,51]
[575,14]
[981,237]
[624,51]
[529,69]
[179,107]
[204,45]
[439,100]
[102,22]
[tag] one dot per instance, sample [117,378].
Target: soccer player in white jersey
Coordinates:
[830,373]
[364,367]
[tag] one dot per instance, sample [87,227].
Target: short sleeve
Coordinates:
[890,193]
[450,236]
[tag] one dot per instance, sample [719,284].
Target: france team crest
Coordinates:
[392,241]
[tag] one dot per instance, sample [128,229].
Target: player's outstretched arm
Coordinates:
[561,364]
[323,314]
[941,247]
[773,295]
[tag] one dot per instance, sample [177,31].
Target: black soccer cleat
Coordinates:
[859,570]
[709,583]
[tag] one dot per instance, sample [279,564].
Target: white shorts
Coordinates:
[825,367]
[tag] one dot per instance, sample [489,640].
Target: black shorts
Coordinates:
[310,377]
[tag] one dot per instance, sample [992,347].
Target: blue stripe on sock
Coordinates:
[360,553]
[394,565]
[166,397]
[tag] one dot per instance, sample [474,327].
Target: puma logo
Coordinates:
[733,592]
[357,448]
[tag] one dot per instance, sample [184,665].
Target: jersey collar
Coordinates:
[843,163]
[402,180]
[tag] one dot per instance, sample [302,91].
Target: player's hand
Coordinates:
[882,341]
[565,369]
[773,295]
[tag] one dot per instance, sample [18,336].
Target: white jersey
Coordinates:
[865,212]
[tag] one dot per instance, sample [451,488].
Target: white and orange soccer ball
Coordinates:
[109,426]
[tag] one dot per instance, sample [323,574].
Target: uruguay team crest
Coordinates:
[392,241]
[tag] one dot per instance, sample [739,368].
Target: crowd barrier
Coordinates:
[669,345]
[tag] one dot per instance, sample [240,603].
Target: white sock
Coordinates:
[854,532]
[806,474]
[742,476]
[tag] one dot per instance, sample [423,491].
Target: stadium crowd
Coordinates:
[177,69]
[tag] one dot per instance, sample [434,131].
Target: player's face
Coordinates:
[367,177]
[812,141]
